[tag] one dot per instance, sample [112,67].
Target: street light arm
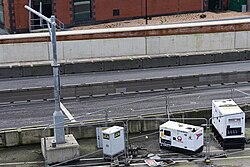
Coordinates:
[37,13]
[49,27]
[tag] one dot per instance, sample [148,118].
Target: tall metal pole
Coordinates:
[232,92]
[58,116]
[167,107]
[41,10]
[30,18]
[45,148]
[106,118]
[146,12]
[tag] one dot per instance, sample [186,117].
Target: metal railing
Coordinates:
[37,26]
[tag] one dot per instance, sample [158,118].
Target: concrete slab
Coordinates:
[61,152]
[36,70]
[11,138]
[196,59]
[122,64]
[83,67]
[163,61]
[11,72]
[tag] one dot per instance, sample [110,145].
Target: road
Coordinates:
[38,113]
[100,77]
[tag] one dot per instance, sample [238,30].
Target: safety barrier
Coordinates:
[126,86]
[125,63]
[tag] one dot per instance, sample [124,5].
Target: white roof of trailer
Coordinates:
[112,129]
[180,126]
[227,106]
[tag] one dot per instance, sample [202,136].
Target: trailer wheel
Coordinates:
[219,141]
[212,129]
[223,146]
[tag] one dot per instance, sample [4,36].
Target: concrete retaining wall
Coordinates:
[83,130]
[120,47]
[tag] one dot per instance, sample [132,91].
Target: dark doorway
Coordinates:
[214,5]
[46,6]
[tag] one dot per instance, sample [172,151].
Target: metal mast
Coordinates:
[58,117]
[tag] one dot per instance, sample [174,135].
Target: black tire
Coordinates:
[243,147]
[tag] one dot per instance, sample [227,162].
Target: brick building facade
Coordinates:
[74,12]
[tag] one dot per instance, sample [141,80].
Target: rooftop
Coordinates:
[180,126]
[169,19]
[227,106]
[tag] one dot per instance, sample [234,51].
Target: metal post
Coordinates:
[58,116]
[146,11]
[126,153]
[41,10]
[208,151]
[232,91]
[45,149]
[30,28]
[106,118]
[208,140]
[167,107]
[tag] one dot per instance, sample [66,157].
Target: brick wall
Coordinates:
[131,8]
[190,5]
[157,7]
[101,10]
[128,8]
[21,15]
[63,11]
[6,14]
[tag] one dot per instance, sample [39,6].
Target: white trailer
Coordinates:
[113,142]
[228,123]
[181,137]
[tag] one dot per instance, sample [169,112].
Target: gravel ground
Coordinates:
[169,19]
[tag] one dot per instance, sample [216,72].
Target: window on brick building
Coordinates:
[116,12]
[43,6]
[82,10]
[1,11]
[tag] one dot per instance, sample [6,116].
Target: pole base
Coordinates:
[62,152]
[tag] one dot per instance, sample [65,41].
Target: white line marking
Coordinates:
[67,113]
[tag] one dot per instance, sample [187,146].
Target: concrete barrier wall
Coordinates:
[129,86]
[23,136]
[122,47]
[126,63]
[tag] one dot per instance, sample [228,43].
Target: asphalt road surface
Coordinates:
[40,113]
[100,77]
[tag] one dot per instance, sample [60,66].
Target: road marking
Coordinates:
[67,113]
[21,163]
[230,158]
